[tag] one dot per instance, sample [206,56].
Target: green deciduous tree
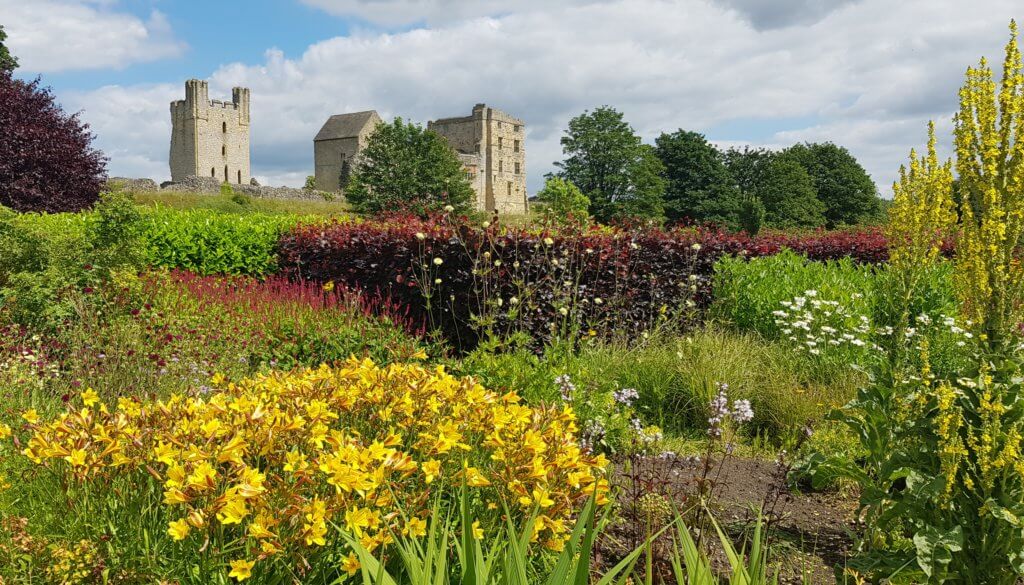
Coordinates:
[563,201]
[746,167]
[699,185]
[842,184]
[405,166]
[7,61]
[788,195]
[605,158]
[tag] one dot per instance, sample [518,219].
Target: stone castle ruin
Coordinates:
[490,144]
[210,145]
[210,138]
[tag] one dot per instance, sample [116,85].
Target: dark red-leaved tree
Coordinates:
[47,162]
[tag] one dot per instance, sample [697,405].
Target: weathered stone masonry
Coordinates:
[491,145]
[335,147]
[210,138]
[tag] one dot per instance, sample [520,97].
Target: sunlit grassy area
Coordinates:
[229,204]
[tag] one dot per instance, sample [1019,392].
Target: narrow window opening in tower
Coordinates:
[223,151]
[224,127]
[226,173]
[509,188]
[213,172]
[239,177]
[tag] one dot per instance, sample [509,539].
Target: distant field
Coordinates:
[226,204]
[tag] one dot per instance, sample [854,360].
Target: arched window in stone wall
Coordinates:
[224,127]
[239,177]
[213,172]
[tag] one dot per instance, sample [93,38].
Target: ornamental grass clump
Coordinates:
[271,477]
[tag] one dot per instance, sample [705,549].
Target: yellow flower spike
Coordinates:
[241,569]
[31,416]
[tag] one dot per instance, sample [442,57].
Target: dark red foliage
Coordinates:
[47,162]
[638,274]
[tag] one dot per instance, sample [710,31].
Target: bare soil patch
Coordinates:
[810,533]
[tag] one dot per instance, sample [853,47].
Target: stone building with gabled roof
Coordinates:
[335,147]
[490,145]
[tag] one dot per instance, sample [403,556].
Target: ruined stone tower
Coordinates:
[490,144]
[210,138]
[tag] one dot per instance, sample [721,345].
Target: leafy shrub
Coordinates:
[462,280]
[58,263]
[47,162]
[256,474]
[563,201]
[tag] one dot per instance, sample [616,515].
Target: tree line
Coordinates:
[683,177]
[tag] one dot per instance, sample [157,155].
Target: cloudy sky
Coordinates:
[866,74]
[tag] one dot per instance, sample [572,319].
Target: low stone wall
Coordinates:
[134,185]
[211,186]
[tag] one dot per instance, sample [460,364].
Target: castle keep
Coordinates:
[490,144]
[210,138]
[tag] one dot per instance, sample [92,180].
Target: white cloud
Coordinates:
[405,12]
[782,13]
[63,35]
[867,75]
[132,126]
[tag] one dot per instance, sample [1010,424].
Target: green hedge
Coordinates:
[203,241]
[208,242]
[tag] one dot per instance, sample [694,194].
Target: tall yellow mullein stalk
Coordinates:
[990,163]
[921,218]
[922,212]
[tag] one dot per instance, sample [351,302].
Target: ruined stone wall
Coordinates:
[210,138]
[498,142]
[507,161]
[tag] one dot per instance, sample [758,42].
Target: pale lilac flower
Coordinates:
[741,411]
[626,396]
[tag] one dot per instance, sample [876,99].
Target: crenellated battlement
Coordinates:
[210,138]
